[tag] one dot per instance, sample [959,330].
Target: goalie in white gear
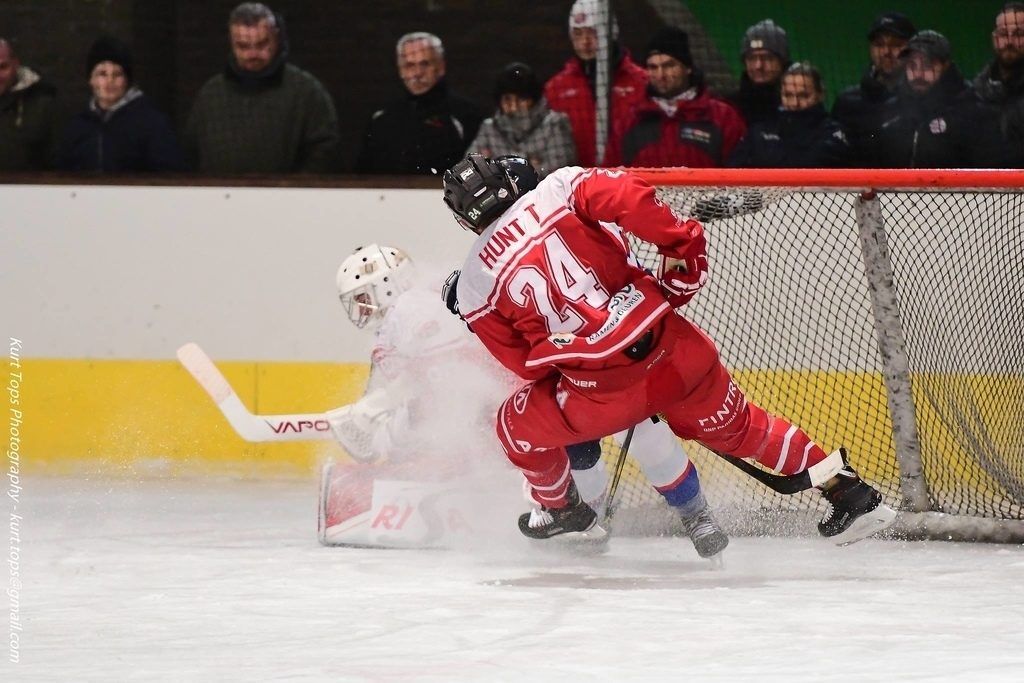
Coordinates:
[425,367]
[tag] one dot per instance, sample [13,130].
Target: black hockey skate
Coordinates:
[575,518]
[857,510]
[702,527]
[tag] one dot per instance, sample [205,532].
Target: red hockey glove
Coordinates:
[682,278]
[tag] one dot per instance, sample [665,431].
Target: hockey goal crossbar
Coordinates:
[849,179]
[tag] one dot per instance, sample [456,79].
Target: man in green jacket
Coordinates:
[28,115]
[261,114]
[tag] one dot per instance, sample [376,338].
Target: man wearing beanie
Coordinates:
[262,114]
[28,115]
[571,90]
[1001,82]
[524,125]
[765,53]
[938,121]
[678,123]
[120,131]
[862,108]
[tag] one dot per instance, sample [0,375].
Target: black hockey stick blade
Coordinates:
[779,483]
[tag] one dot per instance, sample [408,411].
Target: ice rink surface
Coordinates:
[223,580]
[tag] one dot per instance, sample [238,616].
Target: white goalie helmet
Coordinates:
[370,280]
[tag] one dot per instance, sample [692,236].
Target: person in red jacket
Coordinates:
[679,123]
[571,90]
[553,291]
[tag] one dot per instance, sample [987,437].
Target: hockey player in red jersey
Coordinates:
[424,366]
[552,289]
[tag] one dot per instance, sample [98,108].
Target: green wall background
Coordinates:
[833,35]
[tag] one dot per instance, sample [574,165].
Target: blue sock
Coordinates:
[684,494]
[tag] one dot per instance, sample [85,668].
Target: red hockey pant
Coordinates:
[681,379]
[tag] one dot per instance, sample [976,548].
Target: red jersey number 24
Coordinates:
[574,282]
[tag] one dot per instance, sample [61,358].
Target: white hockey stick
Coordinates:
[256,428]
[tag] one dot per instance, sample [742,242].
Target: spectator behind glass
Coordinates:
[571,90]
[938,121]
[679,123]
[120,130]
[427,130]
[1001,82]
[261,114]
[803,135]
[27,115]
[524,125]
[765,53]
[862,108]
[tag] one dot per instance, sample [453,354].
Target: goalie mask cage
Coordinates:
[879,310]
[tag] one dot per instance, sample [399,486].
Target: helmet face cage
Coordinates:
[361,305]
[370,280]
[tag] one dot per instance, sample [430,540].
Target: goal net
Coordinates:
[888,321]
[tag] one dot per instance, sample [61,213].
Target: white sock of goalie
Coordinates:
[591,483]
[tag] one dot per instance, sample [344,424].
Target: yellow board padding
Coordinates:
[151,417]
[964,420]
[835,408]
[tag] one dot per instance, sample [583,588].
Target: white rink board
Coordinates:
[133,272]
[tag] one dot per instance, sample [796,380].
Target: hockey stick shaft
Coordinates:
[254,428]
[620,463]
[779,483]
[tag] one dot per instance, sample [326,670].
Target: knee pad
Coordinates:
[583,456]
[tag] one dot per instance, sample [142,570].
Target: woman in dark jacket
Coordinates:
[120,131]
[803,135]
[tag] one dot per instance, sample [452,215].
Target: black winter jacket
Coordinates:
[1005,91]
[860,110]
[755,102]
[28,124]
[796,139]
[419,134]
[947,127]
[133,137]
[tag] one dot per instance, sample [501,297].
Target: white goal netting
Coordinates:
[891,325]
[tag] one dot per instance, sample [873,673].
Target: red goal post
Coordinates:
[882,310]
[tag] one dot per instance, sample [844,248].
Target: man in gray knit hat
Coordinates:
[765,53]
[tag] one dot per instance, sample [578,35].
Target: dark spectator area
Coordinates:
[400,88]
